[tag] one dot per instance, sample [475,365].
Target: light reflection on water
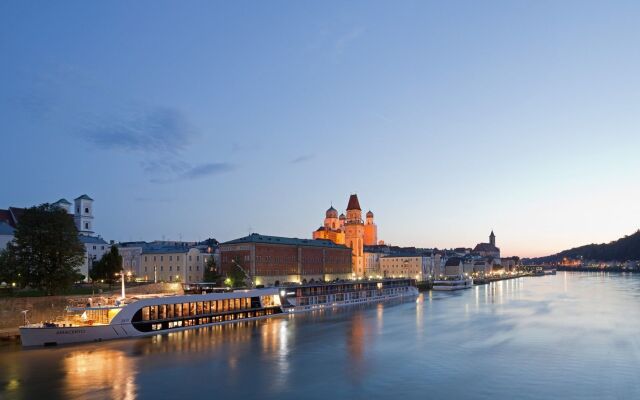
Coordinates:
[573,335]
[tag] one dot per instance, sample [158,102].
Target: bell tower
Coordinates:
[492,239]
[354,235]
[370,231]
[83,215]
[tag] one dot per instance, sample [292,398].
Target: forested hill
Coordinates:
[624,249]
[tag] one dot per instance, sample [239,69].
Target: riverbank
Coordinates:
[587,269]
[49,308]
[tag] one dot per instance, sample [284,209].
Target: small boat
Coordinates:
[453,282]
[550,271]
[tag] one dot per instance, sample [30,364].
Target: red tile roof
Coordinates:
[354,204]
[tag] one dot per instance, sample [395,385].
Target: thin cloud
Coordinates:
[160,130]
[302,158]
[190,172]
[347,38]
[203,170]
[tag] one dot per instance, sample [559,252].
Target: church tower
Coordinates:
[331,219]
[83,215]
[492,239]
[370,231]
[354,235]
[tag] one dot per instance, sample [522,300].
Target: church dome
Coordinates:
[369,214]
[332,212]
[342,216]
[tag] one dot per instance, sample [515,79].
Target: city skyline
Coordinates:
[448,121]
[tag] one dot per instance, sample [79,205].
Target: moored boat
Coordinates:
[95,321]
[453,282]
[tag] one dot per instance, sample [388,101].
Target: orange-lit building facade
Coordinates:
[272,259]
[351,231]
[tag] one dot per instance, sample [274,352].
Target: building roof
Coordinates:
[486,247]
[453,262]
[258,238]
[403,255]
[5,216]
[92,239]
[369,213]
[84,197]
[6,229]
[332,213]
[354,204]
[166,249]
[342,216]
[63,201]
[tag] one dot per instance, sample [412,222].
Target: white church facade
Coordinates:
[95,246]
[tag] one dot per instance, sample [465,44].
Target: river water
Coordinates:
[569,336]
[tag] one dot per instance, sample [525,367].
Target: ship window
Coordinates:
[153,312]
[169,310]
[145,313]
[185,309]
[237,304]
[192,309]
[207,308]
[199,309]
[162,312]
[178,310]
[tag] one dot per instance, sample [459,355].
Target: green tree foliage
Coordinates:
[9,268]
[236,275]
[211,274]
[46,253]
[107,267]
[624,249]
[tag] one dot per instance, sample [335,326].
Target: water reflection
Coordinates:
[569,336]
[102,373]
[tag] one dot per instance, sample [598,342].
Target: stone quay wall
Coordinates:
[48,308]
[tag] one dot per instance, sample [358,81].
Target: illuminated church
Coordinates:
[351,231]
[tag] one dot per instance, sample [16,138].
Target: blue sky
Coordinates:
[209,119]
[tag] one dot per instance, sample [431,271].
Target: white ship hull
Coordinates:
[449,285]
[412,292]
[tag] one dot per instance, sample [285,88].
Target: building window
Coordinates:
[86,225]
[189,267]
[170,258]
[145,258]
[189,258]
[102,247]
[177,258]
[170,268]
[161,257]
[145,269]
[86,210]
[198,268]
[94,247]
[178,268]
[161,268]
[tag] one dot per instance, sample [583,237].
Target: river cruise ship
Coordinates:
[149,315]
[98,320]
[455,282]
[332,294]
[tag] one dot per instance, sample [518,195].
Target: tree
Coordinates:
[46,253]
[9,268]
[236,275]
[107,267]
[211,272]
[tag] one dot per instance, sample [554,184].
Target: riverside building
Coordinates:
[351,231]
[273,260]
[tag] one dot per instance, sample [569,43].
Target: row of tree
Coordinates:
[46,255]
